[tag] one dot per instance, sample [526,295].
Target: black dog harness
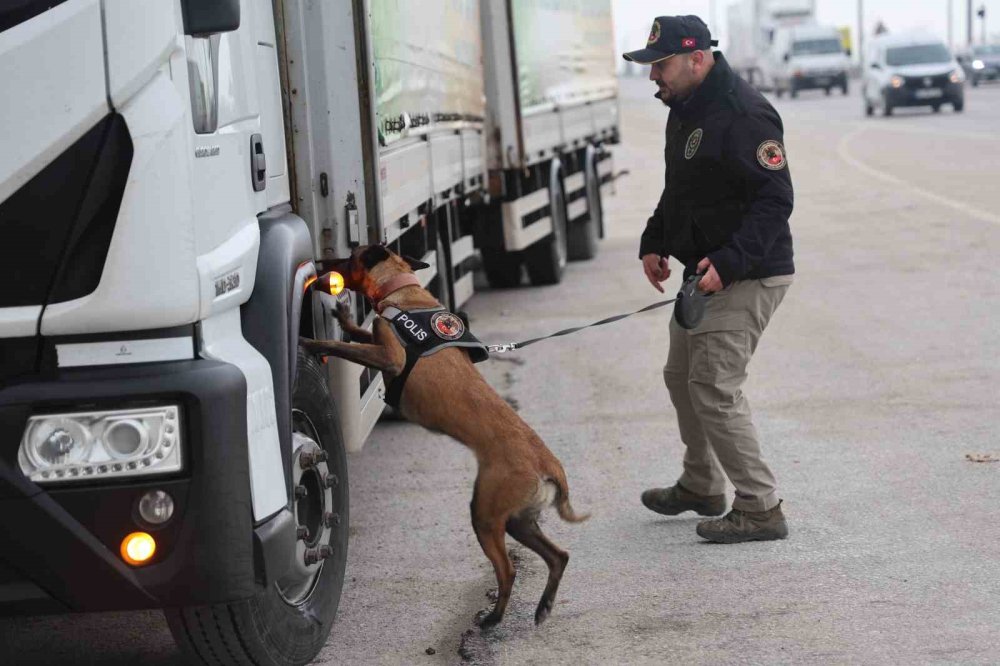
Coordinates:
[425,332]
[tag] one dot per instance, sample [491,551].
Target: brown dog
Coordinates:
[518,475]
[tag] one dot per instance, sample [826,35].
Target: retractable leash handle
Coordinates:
[689,308]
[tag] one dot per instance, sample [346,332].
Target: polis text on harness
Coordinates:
[424,332]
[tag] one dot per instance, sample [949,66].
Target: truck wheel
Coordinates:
[582,237]
[503,269]
[546,259]
[289,621]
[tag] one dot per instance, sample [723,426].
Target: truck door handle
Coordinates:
[258,163]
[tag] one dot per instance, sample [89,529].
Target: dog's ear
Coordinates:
[415,264]
[373,256]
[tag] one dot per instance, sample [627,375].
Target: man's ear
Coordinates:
[415,264]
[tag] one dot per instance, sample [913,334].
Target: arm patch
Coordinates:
[771,155]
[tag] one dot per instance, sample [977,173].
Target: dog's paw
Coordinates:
[486,619]
[343,313]
[543,611]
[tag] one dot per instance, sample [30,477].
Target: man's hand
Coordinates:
[656,269]
[711,282]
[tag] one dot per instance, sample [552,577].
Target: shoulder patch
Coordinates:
[691,147]
[447,326]
[771,155]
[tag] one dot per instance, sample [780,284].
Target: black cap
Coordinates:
[671,35]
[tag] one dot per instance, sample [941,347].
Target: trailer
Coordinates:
[552,109]
[173,176]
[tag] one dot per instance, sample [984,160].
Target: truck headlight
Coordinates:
[957,76]
[978,64]
[897,82]
[107,444]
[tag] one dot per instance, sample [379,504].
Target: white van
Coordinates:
[807,57]
[911,69]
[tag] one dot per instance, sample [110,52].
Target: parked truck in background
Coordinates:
[806,57]
[172,175]
[751,27]
[552,106]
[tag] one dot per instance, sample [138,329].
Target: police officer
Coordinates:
[724,212]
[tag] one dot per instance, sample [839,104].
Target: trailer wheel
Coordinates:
[546,259]
[289,621]
[583,237]
[503,269]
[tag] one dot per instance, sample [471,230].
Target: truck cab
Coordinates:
[807,57]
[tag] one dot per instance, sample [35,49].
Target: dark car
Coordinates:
[982,63]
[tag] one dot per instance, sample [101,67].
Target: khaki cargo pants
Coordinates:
[705,371]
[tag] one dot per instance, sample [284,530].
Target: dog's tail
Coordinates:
[563,507]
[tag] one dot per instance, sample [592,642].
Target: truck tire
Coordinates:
[503,269]
[582,239]
[546,259]
[289,620]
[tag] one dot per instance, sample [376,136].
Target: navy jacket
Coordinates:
[727,191]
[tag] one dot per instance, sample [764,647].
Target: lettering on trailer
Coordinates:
[412,327]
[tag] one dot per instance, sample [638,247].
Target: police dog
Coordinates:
[518,476]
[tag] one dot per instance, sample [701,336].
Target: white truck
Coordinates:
[806,57]
[173,174]
[751,27]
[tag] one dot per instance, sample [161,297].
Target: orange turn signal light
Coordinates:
[138,548]
[331,283]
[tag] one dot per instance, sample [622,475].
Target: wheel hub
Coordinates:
[315,511]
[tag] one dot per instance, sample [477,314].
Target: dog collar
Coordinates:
[392,285]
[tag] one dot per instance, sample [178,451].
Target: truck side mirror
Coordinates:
[206,17]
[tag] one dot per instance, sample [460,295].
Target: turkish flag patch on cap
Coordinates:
[687,43]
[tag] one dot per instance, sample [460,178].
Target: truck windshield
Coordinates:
[924,54]
[986,50]
[816,47]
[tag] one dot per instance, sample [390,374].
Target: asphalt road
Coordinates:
[878,376]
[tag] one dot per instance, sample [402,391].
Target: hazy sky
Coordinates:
[634,17]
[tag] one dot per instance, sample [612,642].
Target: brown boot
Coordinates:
[678,499]
[738,526]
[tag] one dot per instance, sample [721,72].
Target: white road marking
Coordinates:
[844,153]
